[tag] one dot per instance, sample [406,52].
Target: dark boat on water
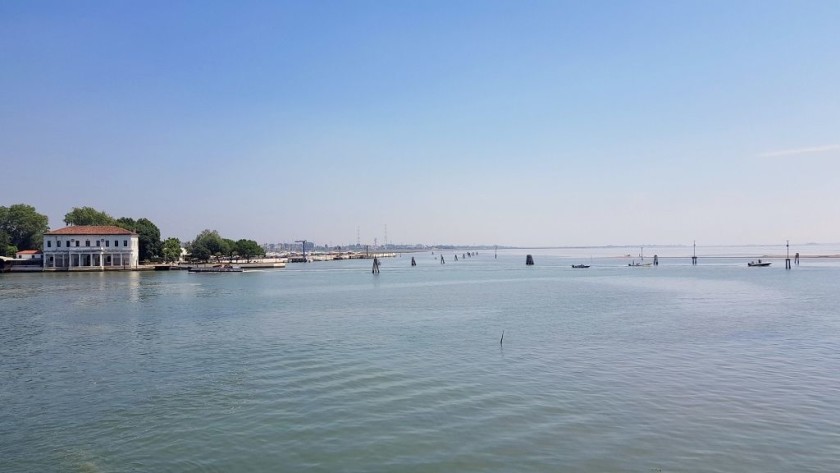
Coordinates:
[580,266]
[219,268]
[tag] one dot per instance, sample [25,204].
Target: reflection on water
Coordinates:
[325,366]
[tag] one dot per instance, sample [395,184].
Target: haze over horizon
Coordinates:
[472,122]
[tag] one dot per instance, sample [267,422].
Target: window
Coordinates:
[97,243]
[87,242]
[107,242]
[58,243]
[125,242]
[77,243]
[49,244]
[116,243]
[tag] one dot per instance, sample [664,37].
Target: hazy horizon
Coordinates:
[475,122]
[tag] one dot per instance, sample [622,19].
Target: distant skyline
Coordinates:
[540,123]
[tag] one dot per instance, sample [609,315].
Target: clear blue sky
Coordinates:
[485,122]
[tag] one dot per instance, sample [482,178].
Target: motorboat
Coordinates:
[219,268]
[758,263]
[580,266]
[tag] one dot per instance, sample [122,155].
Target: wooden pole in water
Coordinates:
[694,258]
[413,263]
[787,259]
[529,260]
[503,337]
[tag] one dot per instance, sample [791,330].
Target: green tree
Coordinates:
[126,222]
[6,246]
[230,249]
[148,236]
[199,252]
[212,242]
[171,250]
[88,216]
[249,249]
[23,226]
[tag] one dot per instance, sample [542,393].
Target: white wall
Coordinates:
[104,243]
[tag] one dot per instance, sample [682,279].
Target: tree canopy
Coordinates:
[21,228]
[249,249]
[6,246]
[171,250]
[148,236]
[209,244]
[88,216]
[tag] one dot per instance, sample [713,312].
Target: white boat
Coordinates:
[758,263]
[634,264]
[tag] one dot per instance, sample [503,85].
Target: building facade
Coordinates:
[28,255]
[82,247]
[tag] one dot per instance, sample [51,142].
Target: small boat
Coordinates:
[219,268]
[580,266]
[634,264]
[758,263]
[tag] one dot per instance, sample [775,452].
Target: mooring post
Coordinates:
[694,257]
[529,260]
[796,258]
[787,259]
[655,260]
[413,263]
[456,257]
[442,260]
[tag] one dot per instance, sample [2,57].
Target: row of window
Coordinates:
[107,243]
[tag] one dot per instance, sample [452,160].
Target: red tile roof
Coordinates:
[28,252]
[90,230]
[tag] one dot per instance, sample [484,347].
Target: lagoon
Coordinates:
[326,367]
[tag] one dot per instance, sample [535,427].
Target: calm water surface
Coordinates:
[325,367]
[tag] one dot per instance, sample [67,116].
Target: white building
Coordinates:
[28,254]
[82,247]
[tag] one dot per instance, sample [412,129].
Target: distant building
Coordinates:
[28,254]
[83,247]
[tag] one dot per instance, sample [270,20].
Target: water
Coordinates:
[325,367]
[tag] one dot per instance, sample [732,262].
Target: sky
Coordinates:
[522,123]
